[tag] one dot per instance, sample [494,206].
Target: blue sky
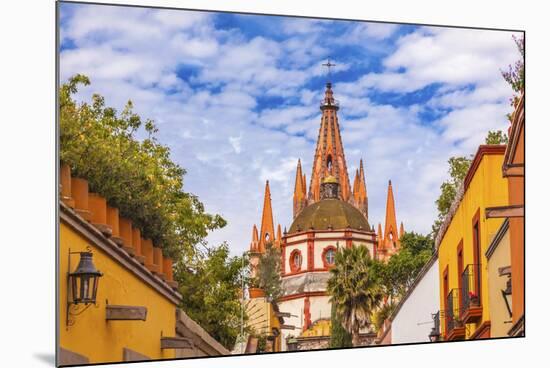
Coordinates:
[236,99]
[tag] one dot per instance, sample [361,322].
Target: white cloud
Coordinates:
[229,144]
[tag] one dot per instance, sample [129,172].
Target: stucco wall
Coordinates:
[296,309]
[500,319]
[412,323]
[319,308]
[100,340]
[487,189]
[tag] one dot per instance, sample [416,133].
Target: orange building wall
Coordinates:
[516,188]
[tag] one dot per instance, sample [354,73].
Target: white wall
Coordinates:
[413,322]
[296,309]
[319,308]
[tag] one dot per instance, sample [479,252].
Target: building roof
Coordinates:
[91,234]
[327,214]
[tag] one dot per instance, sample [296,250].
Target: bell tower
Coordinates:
[329,158]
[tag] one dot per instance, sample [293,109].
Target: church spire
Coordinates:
[267,231]
[390,229]
[329,158]
[299,200]
[380,236]
[279,238]
[356,186]
[361,198]
[254,242]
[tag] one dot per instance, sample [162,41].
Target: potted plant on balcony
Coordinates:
[254,289]
[474,299]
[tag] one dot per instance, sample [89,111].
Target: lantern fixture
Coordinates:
[434,333]
[81,285]
[507,293]
[84,280]
[507,296]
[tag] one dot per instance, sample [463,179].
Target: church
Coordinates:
[327,215]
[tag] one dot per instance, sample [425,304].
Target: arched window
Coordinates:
[329,256]
[295,260]
[329,164]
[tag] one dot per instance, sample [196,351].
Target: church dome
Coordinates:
[329,214]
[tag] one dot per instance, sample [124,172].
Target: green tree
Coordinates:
[353,289]
[458,168]
[382,314]
[339,337]
[210,286]
[496,137]
[135,175]
[397,275]
[269,273]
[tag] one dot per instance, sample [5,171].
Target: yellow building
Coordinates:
[264,319]
[462,243]
[134,312]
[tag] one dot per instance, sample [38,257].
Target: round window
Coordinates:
[295,260]
[329,256]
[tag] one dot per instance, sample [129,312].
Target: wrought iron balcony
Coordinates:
[471,309]
[454,327]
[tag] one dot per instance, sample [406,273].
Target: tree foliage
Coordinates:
[119,155]
[269,273]
[339,337]
[515,75]
[398,274]
[458,168]
[496,137]
[382,314]
[210,287]
[137,176]
[354,289]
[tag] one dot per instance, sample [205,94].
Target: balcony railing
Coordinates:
[470,308]
[454,328]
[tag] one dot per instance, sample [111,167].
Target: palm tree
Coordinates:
[353,289]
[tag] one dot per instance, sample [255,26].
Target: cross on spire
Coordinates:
[328,64]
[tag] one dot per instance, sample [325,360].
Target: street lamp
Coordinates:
[434,333]
[84,280]
[507,296]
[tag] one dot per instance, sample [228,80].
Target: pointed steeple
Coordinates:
[390,229]
[401,230]
[360,191]
[279,237]
[299,199]
[305,186]
[329,158]
[356,186]
[267,232]
[254,242]
[380,236]
[362,181]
